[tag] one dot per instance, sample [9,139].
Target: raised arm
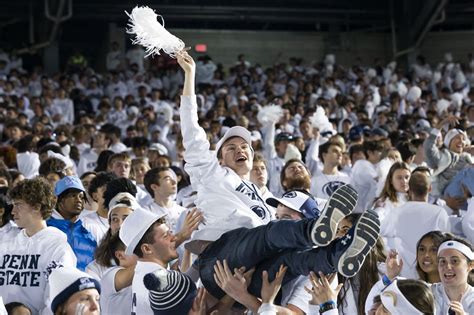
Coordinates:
[186,62]
[432,153]
[200,161]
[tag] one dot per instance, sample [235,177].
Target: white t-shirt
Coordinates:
[95,270]
[408,223]
[140,298]
[136,55]
[87,162]
[111,300]
[96,225]
[323,186]
[442,300]
[294,293]
[364,179]
[26,262]
[172,214]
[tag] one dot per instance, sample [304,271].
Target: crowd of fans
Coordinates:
[124,191]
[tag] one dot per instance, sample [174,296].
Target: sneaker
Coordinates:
[362,240]
[340,205]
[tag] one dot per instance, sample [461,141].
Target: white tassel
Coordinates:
[269,114]
[320,120]
[151,34]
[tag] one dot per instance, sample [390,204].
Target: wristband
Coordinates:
[386,280]
[267,308]
[326,306]
[330,302]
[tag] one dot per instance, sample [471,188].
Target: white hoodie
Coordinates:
[227,201]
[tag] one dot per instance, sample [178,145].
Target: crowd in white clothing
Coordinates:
[115,187]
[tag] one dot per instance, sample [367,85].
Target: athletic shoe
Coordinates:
[340,204]
[363,238]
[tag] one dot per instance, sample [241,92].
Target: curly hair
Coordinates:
[52,165]
[35,192]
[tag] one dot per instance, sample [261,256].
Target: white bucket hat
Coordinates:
[134,227]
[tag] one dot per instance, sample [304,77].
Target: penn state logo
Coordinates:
[290,194]
[260,211]
[330,187]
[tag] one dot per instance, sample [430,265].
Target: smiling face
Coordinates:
[164,246]
[237,155]
[140,171]
[426,256]
[453,268]
[457,144]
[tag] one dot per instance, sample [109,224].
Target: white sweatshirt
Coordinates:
[227,201]
[26,262]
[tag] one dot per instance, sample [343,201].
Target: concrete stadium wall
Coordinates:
[269,47]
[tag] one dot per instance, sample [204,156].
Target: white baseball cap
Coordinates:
[297,201]
[236,131]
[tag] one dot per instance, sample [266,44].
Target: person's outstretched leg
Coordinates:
[345,255]
[249,247]
[464,178]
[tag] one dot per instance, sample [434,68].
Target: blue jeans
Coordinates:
[267,247]
[464,178]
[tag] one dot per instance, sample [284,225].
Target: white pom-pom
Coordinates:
[402,89]
[292,152]
[460,79]
[457,99]
[448,57]
[269,114]
[437,76]
[151,34]
[320,120]
[371,73]
[330,59]
[442,105]
[414,94]
[392,65]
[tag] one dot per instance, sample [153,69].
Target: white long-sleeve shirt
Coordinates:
[227,201]
[408,223]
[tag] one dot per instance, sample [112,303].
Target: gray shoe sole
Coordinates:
[339,205]
[366,233]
